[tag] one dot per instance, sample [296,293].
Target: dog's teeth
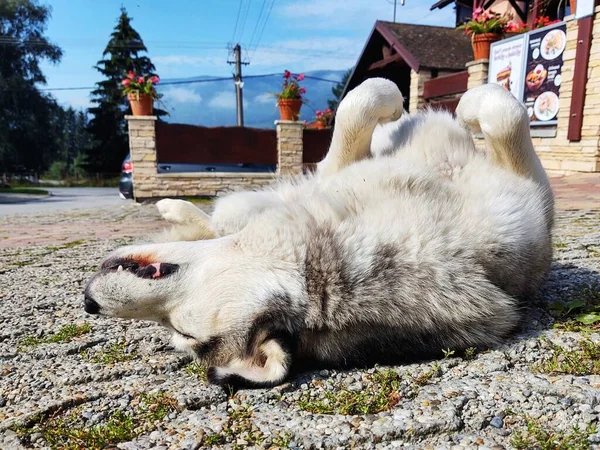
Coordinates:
[120,269]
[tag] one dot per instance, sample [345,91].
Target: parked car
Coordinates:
[126,182]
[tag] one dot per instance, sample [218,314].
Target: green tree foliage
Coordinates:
[108,127]
[29,122]
[338,90]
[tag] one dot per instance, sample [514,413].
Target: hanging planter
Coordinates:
[481,44]
[141,104]
[141,93]
[289,108]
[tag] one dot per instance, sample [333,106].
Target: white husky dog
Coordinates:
[406,241]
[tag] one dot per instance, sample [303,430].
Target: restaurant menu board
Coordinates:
[545,48]
[507,59]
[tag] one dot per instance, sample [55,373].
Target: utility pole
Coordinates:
[239,83]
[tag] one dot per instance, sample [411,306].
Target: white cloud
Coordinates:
[264,98]
[224,100]
[356,14]
[181,95]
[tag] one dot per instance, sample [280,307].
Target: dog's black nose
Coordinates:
[90,305]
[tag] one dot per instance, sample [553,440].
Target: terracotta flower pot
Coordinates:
[289,108]
[320,125]
[481,44]
[141,105]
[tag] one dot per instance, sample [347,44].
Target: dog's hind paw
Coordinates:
[233,381]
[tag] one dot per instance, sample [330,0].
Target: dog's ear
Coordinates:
[264,365]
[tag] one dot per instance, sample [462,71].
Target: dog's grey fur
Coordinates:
[393,251]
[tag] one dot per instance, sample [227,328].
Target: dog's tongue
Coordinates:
[156,270]
[156,274]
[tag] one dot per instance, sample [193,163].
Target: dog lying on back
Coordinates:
[406,241]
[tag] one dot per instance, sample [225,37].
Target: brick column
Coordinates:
[142,145]
[478,72]
[289,147]
[417,83]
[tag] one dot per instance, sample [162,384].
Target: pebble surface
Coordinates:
[479,402]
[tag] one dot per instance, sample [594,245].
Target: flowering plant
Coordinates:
[323,116]
[516,27]
[485,22]
[134,84]
[544,21]
[291,87]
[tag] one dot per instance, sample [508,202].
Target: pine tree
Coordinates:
[338,90]
[27,116]
[108,126]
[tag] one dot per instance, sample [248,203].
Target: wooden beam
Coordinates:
[385,61]
[522,14]
[580,73]
[392,39]
[446,85]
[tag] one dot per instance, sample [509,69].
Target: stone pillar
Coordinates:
[478,72]
[417,83]
[289,147]
[142,145]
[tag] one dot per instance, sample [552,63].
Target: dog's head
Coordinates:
[212,294]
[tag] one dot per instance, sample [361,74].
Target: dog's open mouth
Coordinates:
[140,268]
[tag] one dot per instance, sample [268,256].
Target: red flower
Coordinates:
[131,75]
[293,87]
[140,79]
[303,90]
[287,74]
[155,79]
[126,82]
[300,77]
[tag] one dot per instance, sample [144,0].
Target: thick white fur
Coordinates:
[417,184]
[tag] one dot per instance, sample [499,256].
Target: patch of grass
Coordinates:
[197,369]
[64,334]
[69,432]
[198,199]
[115,353]
[71,244]
[535,436]
[578,309]
[583,361]
[381,394]
[28,191]
[470,354]
[238,430]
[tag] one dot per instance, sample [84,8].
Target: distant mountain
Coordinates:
[213,103]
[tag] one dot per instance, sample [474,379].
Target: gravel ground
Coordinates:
[70,380]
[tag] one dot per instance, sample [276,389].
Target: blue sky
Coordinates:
[187,38]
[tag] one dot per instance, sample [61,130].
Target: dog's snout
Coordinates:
[90,305]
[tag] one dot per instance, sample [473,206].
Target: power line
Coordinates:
[263,28]
[237,19]
[244,21]
[262,8]
[208,80]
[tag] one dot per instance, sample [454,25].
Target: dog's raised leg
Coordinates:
[189,222]
[374,101]
[496,113]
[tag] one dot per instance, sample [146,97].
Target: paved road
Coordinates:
[62,198]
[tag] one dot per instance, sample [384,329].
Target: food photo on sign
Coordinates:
[545,48]
[507,64]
